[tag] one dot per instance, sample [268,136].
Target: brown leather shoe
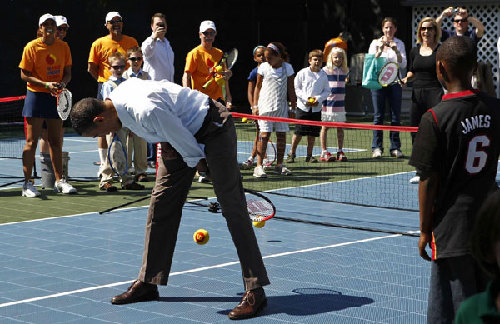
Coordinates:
[252,302]
[138,292]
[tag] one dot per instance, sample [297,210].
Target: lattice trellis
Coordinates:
[487,47]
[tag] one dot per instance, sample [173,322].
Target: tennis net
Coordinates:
[361,180]
[12,138]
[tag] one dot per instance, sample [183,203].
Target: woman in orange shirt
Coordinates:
[46,67]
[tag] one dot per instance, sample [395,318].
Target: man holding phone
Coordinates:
[158,54]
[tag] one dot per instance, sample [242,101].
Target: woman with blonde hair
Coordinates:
[427,90]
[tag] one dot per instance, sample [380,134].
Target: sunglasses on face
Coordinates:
[62,28]
[426,28]
[118,67]
[115,21]
[460,20]
[135,59]
[208,33]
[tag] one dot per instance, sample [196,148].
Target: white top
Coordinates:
[158,59]
[273,94]
[110,85]
[389,53]
[162,111]
[140,74]
[311,84]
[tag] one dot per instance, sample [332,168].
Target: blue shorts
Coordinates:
[40,105]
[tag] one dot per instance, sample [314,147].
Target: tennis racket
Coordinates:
[388,74]
[64,103]
[229,59]
[117,156]
[259,207]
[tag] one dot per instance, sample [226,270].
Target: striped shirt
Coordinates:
[334,103]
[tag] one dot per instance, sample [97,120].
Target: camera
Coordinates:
[387,44]
[161,25]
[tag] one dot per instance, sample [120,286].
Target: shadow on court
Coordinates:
[304,302]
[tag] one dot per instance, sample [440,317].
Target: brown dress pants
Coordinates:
[173,181]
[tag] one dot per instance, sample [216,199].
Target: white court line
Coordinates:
[222,265]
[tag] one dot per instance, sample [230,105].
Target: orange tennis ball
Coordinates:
[259,224]
[201,236]
[312,99]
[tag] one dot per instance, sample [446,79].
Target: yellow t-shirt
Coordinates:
[103,47]
[45,62]
[200,63]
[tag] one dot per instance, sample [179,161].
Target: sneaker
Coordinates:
[258,172]
[247,164]
[283,170]
[203,177]
[29,190]
[267,164]
[133,186]
[397,154]
[341,156]
[377,153]
[108,187]
[64,187]
[327,157]
[415,179]
[290,158]
[311,159]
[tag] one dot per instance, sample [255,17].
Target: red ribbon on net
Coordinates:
[7,99]
[329,124]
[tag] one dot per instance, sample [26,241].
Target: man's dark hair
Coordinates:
[486,235]
[83,113]
[459,53]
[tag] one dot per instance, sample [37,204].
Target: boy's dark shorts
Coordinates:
[307,130]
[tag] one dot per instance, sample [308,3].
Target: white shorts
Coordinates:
[267,126]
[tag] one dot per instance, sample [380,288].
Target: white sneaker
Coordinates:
[29,190]
[258,172]
[283,170]
[247,164]
[377,153]
[397,154]
[415,179]
[64,187]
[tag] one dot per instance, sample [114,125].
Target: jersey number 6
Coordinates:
[476,158]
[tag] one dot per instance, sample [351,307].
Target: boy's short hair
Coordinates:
[315,53]
[486,234]
[459,53]
[135,49]
[83,113]
[116,56]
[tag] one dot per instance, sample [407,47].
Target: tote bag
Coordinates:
[371,68]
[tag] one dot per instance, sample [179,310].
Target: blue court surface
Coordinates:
[66,269]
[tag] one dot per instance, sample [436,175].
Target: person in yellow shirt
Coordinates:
[98,64]
[46,68]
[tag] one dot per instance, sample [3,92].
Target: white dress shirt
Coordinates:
[158,59]
[162,111]
[311,84]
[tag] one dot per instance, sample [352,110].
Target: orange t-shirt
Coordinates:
[45,62]
[200,62]
[334,42]
[103,47]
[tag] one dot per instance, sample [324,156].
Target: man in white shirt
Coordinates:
[158,54]
[190,126]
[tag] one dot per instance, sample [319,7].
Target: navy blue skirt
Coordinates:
[40,105]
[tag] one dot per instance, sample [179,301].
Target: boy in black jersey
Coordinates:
[456,154]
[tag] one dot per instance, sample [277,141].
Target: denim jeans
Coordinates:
[452,281]
[393,94]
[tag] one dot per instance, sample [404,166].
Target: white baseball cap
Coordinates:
[61,20]
[44,18]
[111,15]
[207,24]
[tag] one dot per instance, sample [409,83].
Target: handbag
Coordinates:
[371,67]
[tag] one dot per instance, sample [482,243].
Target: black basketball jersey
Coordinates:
[460,140]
